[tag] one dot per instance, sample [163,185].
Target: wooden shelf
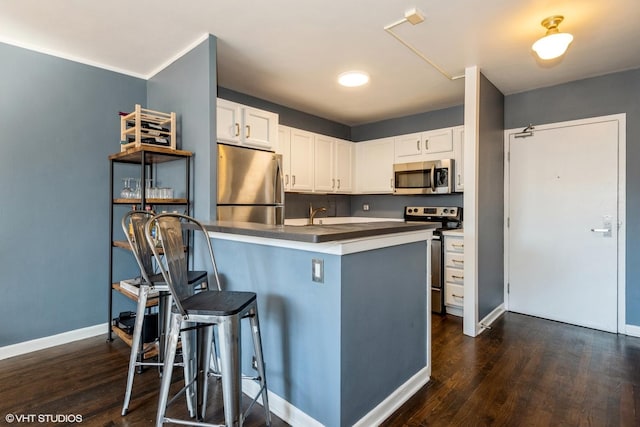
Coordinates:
[152,352]
[154,154]
[150,201]
[151,302]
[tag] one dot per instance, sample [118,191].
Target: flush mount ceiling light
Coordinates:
[554,43]
[353,78]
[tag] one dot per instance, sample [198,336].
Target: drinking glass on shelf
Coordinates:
[137,193]
[126,192]
[148,182]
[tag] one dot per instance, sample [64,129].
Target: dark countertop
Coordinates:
[316,233]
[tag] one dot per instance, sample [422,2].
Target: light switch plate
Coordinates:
[317,270]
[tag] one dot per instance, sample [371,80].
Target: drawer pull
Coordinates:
[457,261]
[457,277]
[458,245]
[457,296]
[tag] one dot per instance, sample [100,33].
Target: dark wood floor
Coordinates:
[523,372]
[527,371]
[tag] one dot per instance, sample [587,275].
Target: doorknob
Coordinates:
[606,227]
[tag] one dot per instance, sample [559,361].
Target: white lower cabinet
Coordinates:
[374,166]
[454,273]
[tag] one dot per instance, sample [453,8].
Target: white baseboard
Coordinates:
[295,417]
[632,330]
[52,341]
[395,400]
[283,409]
[490,318]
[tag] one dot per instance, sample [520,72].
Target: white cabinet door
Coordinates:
[302,167]
[458,157]
[408,148]
[343,166]
[424,146]
[283,147]
[324,177]
[260,128]
[437,141]
[228,121]
[374,166]
[241,125]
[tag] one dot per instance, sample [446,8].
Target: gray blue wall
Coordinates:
[188,86]
[598,96]
[490,199]
[59,123]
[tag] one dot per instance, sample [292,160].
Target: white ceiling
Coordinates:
[290,51]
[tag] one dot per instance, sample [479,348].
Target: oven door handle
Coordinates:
[433,178]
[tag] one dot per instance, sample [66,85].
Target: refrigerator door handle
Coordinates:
[279,181]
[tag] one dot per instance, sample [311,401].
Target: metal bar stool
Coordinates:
[201,311]
[149,281]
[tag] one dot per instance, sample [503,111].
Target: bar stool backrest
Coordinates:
[170,233]
[138,242]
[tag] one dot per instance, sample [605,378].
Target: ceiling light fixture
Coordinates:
[353,78]
[415,16]
[554,43]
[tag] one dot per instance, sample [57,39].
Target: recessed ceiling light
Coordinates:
[353,78]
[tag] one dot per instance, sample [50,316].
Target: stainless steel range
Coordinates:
[449,218]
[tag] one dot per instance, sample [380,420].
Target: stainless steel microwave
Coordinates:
[435,177]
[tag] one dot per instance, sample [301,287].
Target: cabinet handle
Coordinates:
[426,144]
[457,277]
[237,129]
[293,180]
[418,145]
[458,245]
[333,183]
[248,131]
[457,296]
[338,183]
[457,261]
[391,183]
[286,179]
[459,180]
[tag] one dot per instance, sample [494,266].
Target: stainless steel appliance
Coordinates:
[435,177]
[449,218]
[250,187]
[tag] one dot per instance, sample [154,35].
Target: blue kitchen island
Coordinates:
[344,313]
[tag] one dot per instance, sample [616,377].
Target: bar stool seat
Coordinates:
[198,313]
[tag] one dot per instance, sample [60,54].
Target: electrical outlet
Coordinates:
[365,207]
[317,270]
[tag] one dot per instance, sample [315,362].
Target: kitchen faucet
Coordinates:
[314,212]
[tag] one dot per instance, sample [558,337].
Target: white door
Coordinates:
[562,195]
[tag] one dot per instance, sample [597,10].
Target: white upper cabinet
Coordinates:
[283,147]
[458,157]
[344,162]
[324,164]
[374,166]
[242,125]
[301,160]
[430,145]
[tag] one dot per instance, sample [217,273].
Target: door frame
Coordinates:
[622,203]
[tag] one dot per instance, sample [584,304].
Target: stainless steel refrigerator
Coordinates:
[250,187]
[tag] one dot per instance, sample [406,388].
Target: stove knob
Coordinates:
[445,211]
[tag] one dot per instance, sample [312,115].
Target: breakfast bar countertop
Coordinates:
[317,233]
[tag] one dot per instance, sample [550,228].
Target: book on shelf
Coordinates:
[133,286]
